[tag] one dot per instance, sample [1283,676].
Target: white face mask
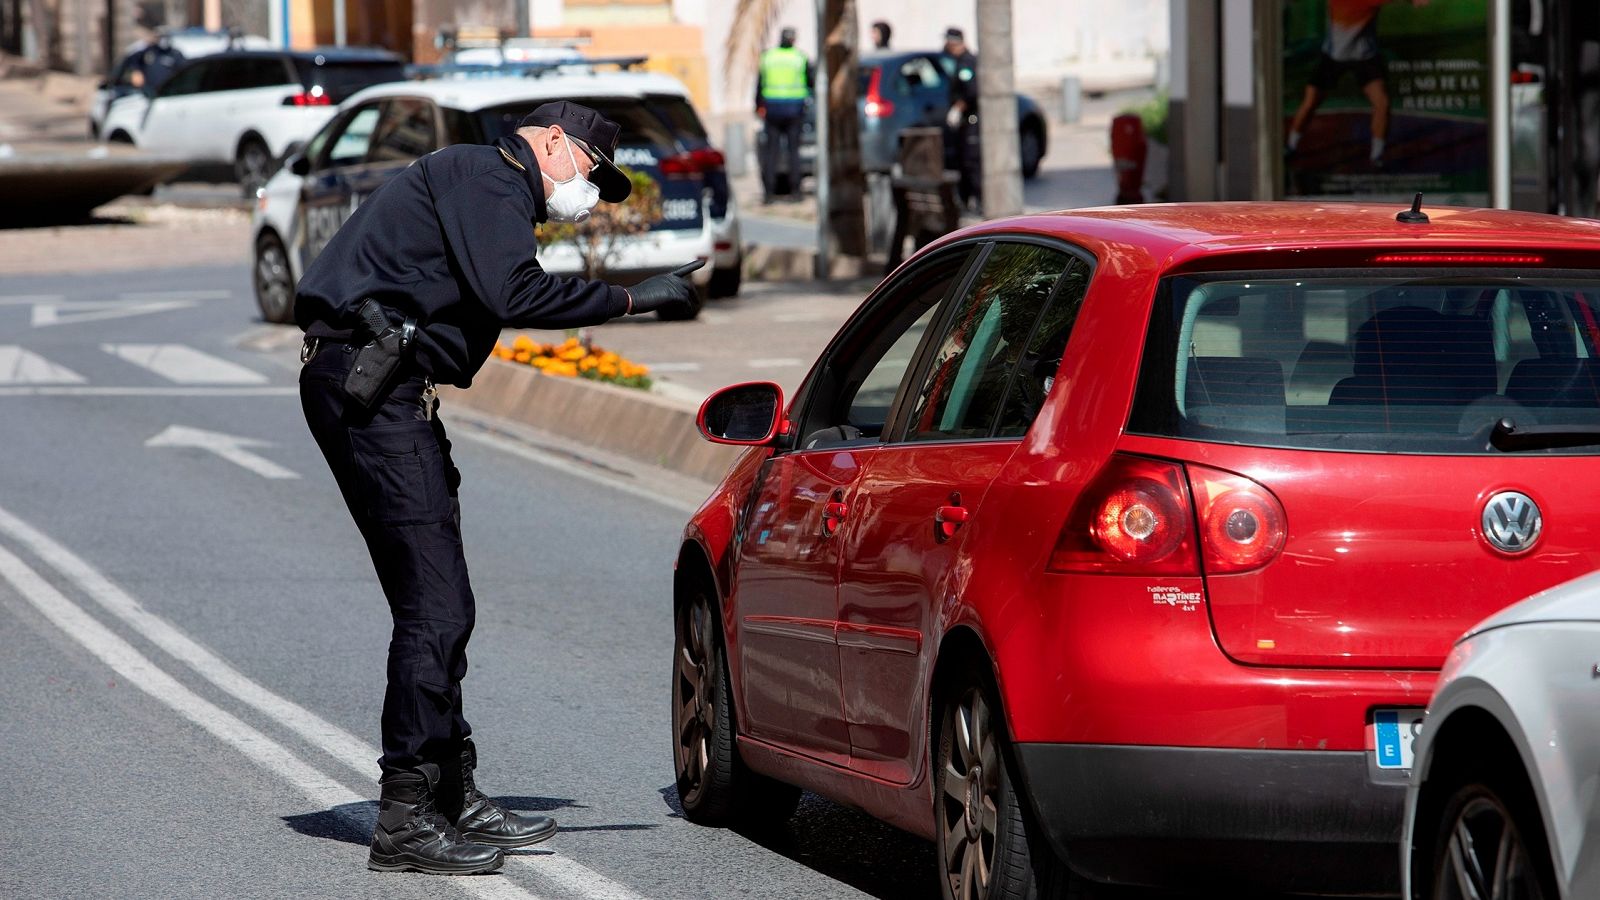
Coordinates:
[574,198]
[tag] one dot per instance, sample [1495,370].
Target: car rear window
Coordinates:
[639,125]
[1347,361]
[341,79]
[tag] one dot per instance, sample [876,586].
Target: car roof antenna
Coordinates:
[1414,215]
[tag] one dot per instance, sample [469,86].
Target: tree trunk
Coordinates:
[997,111]
[846,200]
[43,23]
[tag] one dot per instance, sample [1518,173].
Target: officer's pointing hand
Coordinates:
[661,290]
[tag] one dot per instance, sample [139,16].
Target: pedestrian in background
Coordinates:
[417,284]
[961,120]
[880,35]
[783,85]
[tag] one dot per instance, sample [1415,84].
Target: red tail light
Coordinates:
[313,97]
[694,162]
[1242,526]
[1134,519]
[876,106]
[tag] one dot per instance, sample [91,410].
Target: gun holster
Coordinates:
[377,362]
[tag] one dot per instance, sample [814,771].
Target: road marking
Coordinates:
[137,669]
[184,364]
[675,367]
[806,317]
[47,314]
[781,362]
[18,366]
[229,447]
[341,745]
[96,391]
[28,299]
[139,296]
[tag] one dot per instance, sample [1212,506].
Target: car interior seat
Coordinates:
[1411,356]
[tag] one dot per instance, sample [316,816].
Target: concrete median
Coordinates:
[631,423]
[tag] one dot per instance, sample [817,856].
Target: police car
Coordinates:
[383,129]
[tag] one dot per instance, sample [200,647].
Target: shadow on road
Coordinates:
[353,822]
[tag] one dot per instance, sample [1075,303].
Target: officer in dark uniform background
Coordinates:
[961,121]
[447,250]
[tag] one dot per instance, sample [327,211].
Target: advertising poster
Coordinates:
[1383,98]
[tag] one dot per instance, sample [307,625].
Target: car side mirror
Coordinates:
[745,415]
[298,164]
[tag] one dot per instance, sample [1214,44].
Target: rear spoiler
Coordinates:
[520,69]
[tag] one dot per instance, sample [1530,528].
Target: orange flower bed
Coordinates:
[575,359]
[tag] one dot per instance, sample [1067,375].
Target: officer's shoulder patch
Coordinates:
[515,163]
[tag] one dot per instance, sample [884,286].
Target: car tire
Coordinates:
[1031,142]
[252,166]
[273,279]
[981,822]
[1490,829]
[725,282]
[714,787]
[684,312]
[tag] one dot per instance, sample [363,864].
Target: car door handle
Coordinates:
[947,520]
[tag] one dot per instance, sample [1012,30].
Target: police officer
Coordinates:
[961,120]
[446,249]
[783,85]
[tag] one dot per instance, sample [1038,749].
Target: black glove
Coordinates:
[662,290]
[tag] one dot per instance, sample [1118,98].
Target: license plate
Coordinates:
[1393,732]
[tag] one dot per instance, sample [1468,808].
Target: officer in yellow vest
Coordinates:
[782,89]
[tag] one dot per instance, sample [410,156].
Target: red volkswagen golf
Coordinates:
[1125,545]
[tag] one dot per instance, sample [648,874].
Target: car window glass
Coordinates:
[341,79]
[404,132]
[267,71]
[350,144]
[227,75]
[678,114]
[919,73]
[1035,374]
[637,125]
[857,385]
[186,81]
[986,339]
[1375,363]
[460,127]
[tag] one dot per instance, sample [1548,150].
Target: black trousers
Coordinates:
[781,128]
[393,468]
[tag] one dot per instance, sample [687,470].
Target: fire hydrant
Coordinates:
[1128,151]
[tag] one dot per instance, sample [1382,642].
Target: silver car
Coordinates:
[1505,796]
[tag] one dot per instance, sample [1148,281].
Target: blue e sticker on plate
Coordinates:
[1386,725]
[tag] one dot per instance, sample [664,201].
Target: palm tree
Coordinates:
[753,24]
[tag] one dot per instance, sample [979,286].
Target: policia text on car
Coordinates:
[441,258]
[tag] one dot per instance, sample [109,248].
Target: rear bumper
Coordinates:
[638,258]
[1295,820]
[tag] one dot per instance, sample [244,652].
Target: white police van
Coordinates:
[383,129]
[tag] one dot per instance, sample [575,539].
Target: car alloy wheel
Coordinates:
[274,282]
[1484,853]
[696,701]
[713,785]
[969,802]
[253,167]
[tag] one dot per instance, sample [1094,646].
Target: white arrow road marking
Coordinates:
[18,366]
[184,365]
[65,313]
[227,446]
[138,670]
[563,873]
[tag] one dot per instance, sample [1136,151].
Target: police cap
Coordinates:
[599,132]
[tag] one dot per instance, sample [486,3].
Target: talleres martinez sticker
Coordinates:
[1176,598]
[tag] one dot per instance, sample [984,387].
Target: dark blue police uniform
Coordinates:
[448,242]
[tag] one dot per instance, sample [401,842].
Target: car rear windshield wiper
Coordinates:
[1508,437]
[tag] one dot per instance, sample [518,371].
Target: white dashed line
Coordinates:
[184,365]
[675,367]
[782,362]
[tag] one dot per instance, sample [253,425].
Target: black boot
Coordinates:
[484,821]
[413,836]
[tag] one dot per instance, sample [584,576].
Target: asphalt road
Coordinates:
[195,641]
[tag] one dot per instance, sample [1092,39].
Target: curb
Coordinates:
[768,262]
[635,424]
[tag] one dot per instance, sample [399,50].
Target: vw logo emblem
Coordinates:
[1512,522]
